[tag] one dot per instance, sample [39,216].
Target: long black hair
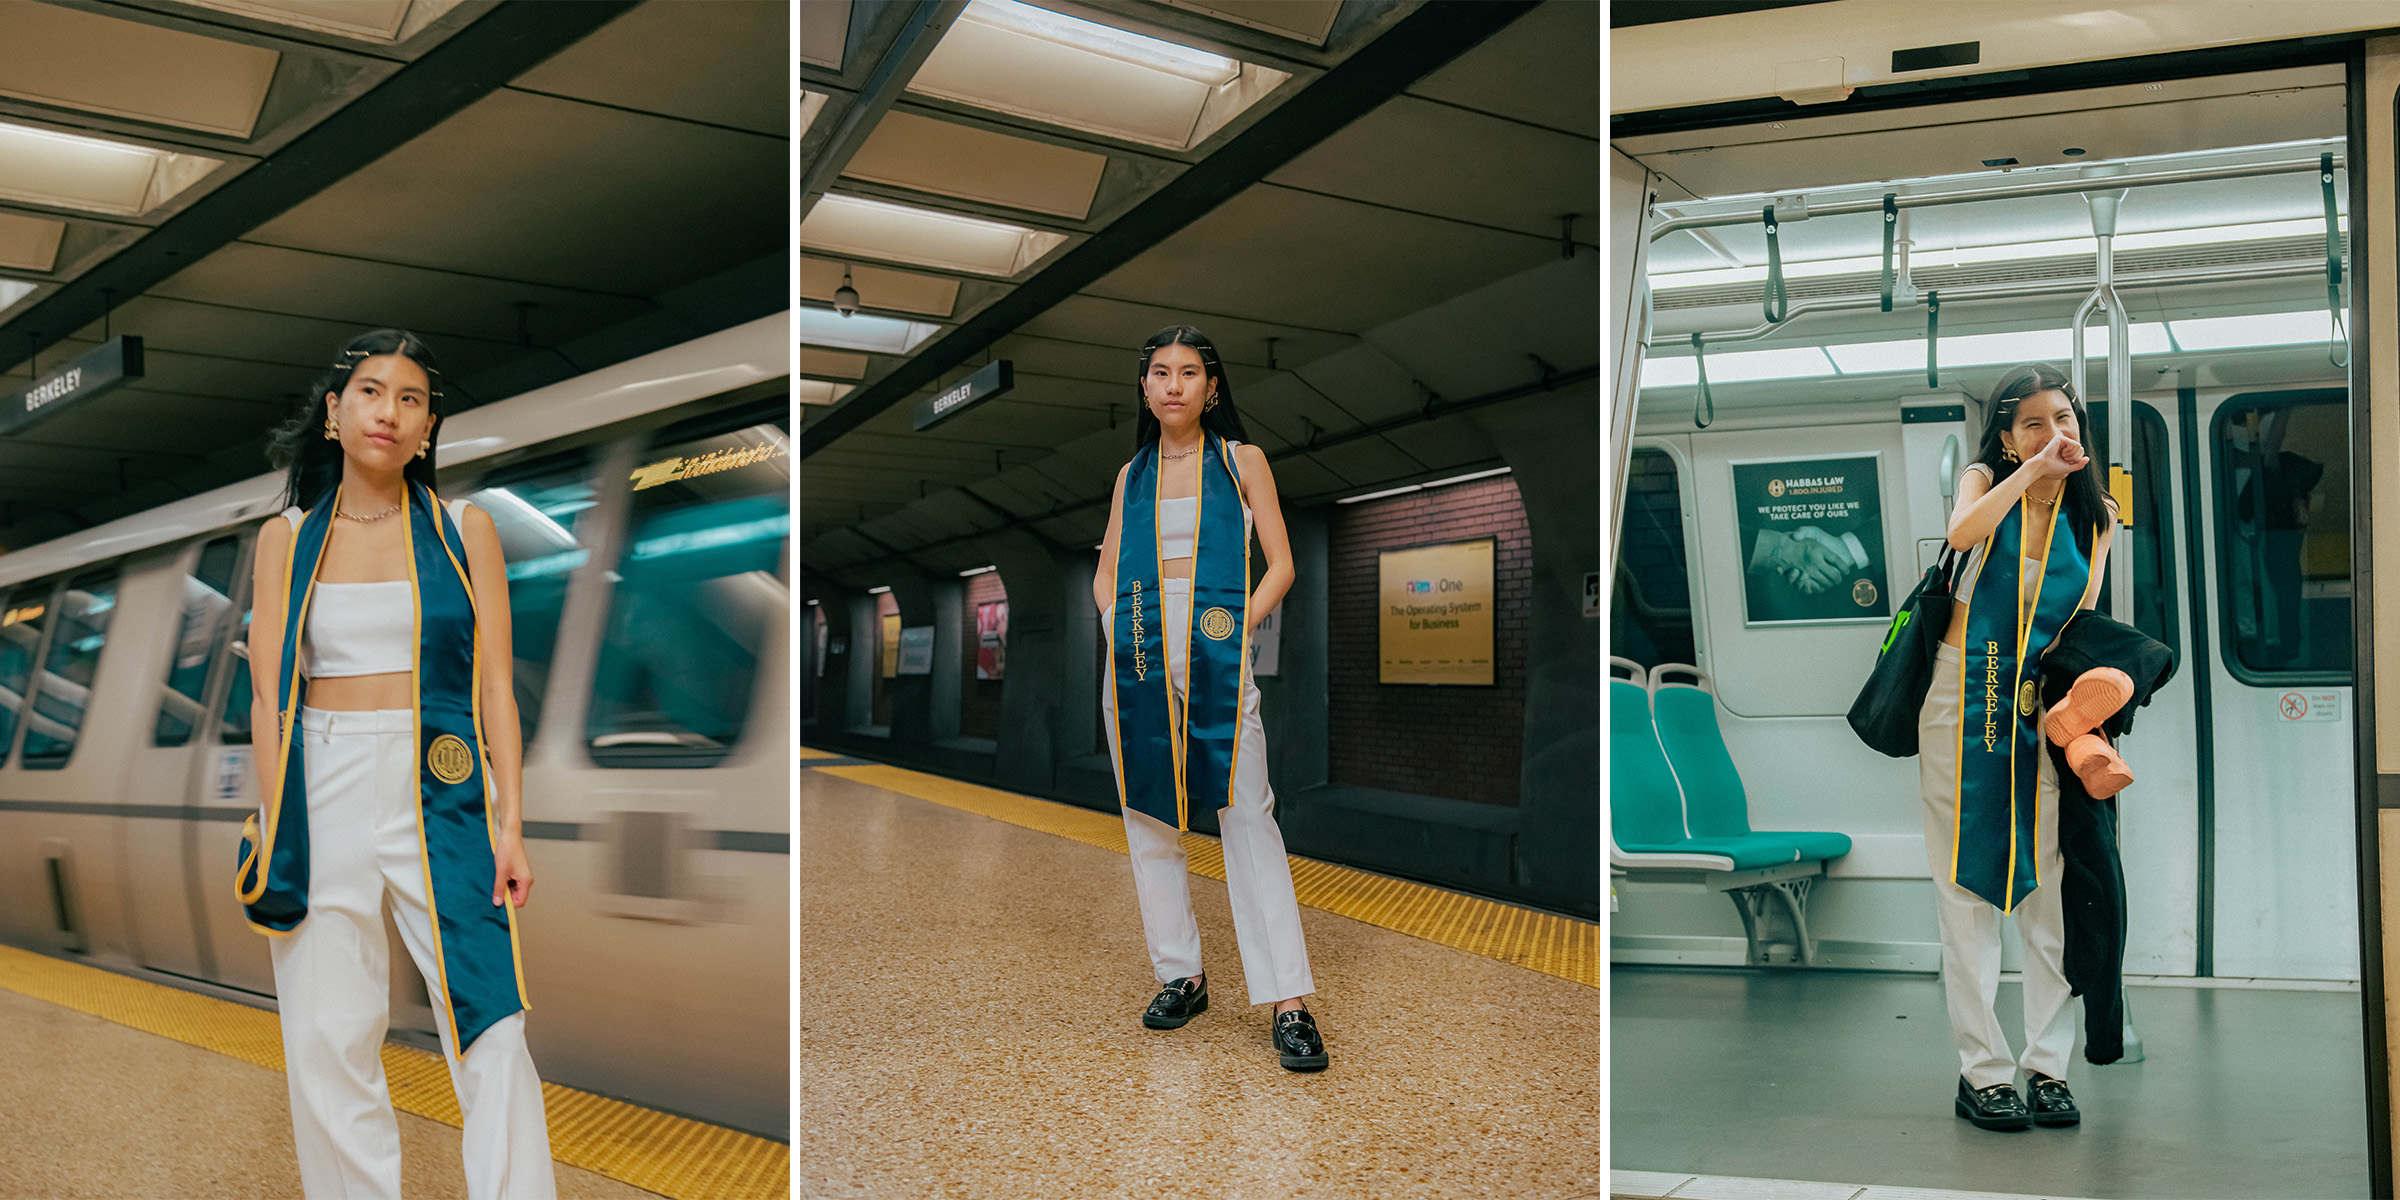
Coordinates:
[2080,493]
[313,464]
[1220,418]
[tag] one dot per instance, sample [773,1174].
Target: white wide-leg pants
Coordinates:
[1970,926]
[332,982]
[1258,878]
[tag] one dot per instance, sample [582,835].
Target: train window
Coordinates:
[1650,616]
[59,700]
[2283,536]
[2154,591]
[234,729]
[535,512]
[23,616]
[698,585]
[207,610]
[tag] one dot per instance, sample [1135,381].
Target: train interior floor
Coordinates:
[118,1087]
[1848,1077]
[971,982]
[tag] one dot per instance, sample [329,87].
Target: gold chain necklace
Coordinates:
[363,520]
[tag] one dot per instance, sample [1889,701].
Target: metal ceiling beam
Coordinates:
[471,64]
[1419,44]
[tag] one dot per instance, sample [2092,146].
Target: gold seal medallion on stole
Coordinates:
[1217,623]
[450,759]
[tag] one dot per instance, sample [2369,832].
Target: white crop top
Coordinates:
[1179,525]
[361,628]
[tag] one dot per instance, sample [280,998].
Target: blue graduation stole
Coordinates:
[2000,735]
[482,978]
[1164,764]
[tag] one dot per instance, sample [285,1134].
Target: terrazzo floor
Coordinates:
[90,1108]
[970,1000]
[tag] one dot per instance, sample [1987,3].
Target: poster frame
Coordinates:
[1380,551]
[1882,521]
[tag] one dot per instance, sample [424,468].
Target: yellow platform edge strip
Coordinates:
[672,1156]
[1539,941]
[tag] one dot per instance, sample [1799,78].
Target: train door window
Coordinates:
[2154,591]
[1650,617]
[234,727]
[207,604]
[23,617]
[535,513]
[55,717]
[2283,536]
[699,582]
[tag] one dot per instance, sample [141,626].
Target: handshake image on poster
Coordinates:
[1808,558]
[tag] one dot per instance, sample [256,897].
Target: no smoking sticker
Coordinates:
[2309,706]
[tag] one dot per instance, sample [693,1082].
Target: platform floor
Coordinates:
[1848,1078]
[970,1000]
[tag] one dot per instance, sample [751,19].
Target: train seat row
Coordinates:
[1678,809]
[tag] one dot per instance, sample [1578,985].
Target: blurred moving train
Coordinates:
[644,512]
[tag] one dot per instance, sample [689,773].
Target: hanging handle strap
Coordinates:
[1777,301]
[2338,350]
[1933,339]
[1891,224]
[1704,407]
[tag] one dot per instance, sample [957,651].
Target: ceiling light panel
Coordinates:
[824,33]
[879,287]
[926,155]
[2261,329]
[899,233]
[1031,62]
[13,290]
[817,391]
[367,20]
[860,331]
[838,364]
[30,243]
[810,104]
[99,64]
[1300,20]
[65,170]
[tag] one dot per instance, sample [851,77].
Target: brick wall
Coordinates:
[1463,743]
[979,699]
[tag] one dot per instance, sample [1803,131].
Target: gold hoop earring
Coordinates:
[332,432]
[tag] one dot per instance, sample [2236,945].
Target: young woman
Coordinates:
[2036,528]
[1182,712]
[389,761]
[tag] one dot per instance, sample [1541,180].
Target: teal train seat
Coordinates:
[1678,813]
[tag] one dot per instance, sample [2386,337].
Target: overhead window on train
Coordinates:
[2283,535]
[699,584]
[24,614]
[1650,616]
[535,512]
[207,604]
[80,629]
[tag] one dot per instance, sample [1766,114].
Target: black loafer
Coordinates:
[2053,1104]
[1297,1040]
[1177,1003]
[1995,1107]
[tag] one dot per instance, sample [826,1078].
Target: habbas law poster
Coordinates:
[1811,540]
[1436,614]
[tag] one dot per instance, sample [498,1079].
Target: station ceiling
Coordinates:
[1389,216]
[538,189]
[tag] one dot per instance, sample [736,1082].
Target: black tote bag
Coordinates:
[1885,713]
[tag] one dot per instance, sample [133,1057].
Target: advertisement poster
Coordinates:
[991,639]
[1435,614]
[1811,540]
[916,650]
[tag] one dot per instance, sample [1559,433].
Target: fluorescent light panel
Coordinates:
[879,287]
[899,233]
[1430,483]
[818,391]
[877,591]
[977,571]
[2053,345]
[1920,256]
[368,20]
[861,331]
[95,63]
[1034,63]
[65,170]
[810,104]
[30,243]
[13,290]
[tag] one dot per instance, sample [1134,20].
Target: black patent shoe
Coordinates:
[1297,1040]
[2052,1103]
[1995,1107]
[1177,1003]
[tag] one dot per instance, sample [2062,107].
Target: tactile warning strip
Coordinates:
[1545,942]
[673,1156]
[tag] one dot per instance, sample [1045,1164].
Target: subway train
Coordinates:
[644,511]
[1820,271]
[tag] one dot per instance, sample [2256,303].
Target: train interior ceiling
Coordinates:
[583,209]
[2238,835]
[1404,303]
